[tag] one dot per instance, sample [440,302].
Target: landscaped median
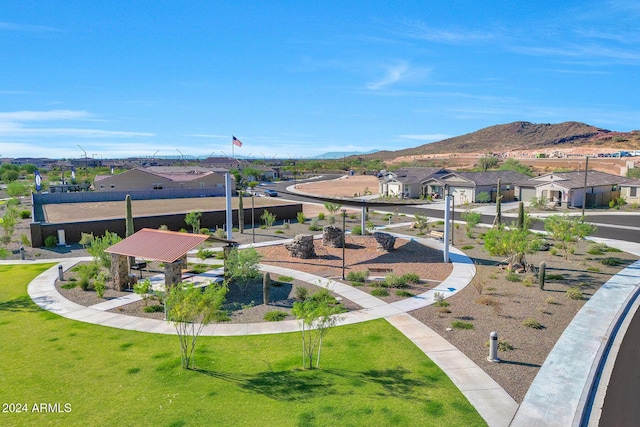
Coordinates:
[86,374]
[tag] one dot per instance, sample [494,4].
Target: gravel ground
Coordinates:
[490,303]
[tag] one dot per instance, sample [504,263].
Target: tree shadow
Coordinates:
[20,304]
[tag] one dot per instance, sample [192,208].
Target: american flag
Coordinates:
[236,142]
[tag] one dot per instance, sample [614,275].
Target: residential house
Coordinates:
[567,189]
[161,177]
[465,186]
[630,190]
[406,182]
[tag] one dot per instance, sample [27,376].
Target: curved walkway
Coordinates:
[491,401]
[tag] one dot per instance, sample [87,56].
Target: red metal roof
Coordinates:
[158,245]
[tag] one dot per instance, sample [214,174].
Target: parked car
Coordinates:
[270,193]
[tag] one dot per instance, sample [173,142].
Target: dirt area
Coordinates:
[494,301]
[347,186]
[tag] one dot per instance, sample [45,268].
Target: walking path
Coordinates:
[559,394]
[492,402]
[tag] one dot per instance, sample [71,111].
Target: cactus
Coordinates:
[240,212]
[266,288]
[129,226]
[541,274]
[521,215]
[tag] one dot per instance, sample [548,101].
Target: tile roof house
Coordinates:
[162,178]
[568,188]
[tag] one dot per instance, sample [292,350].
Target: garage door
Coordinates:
[526,194]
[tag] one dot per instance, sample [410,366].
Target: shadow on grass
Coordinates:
[23,303]
[298,384]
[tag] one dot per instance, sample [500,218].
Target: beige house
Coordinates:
[161,178]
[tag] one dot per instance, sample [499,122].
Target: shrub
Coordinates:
[380,292]
[532,323]
[301,218]
[593,269]
[554,276]
[204,253]
[487,300]
[610,261]
[69,285]
[275,315]
[157,308]
[24,240]
[24,214]
[99,285]
[513,277]
[302,293]
[411,278]
[50,241]
[403,293]
[393,281]
[459,324]
[314,225]
[321,216]
[357,276]
[574,293]
[285,279]
[268,218]
[595,250]
[279,232]
[483,197]
[467,247]
[439,300]
[357,230]
[503,345]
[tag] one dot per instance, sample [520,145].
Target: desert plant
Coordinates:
[332,208]
[85,239]
[98,246]
[472,219]
[421,222]
[411,278]
[459,324]
[268,218]
[394,281]
[266,288]
[193,219]
[566,231]
[321,216]
[24,240]
[50,241]
[99,284]
[24,214]
[513,277]
[357,230]
[314,225]
[302,293]
[204,253]
[483,197]
[532,323]
[357,276]
[275,315]
[574,293]
[142,289]
[301,218]
[285,279]
[611,261]
[438,297]
[380,292]
[403,293]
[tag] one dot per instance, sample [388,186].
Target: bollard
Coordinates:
[493,347]
[60,274]
[22,253]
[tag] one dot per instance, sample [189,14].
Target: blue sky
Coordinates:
[300,78]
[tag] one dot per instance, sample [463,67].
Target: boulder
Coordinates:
[301,246]
[332,237]
[385,241]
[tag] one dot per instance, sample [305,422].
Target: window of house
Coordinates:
[101,186]
[157,186]
[202,185]
[633,192]
[112,186]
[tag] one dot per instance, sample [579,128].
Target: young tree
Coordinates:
[513,243]
[316,315]
[332,208]
[190,310]
[421,222]
[99,244]
[472,219]
[16,189]
[8,222]
[242,266]
[268,218]
[567,231]
[193,219]
[487,162]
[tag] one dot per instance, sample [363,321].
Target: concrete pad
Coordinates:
[227,330]
[434,343]
[451,359]
[116,302]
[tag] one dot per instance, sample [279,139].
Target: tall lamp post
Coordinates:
[86,159]
[344,240]
[253,219]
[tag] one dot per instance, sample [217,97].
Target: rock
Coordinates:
[385,241]
[301,246]
[332,237]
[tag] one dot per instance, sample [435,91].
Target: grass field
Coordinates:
[370,375]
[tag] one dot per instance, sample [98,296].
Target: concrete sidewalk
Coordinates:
[491,401]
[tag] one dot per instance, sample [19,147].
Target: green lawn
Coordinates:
[370,375]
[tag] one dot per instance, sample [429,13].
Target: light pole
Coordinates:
[86,159]
[344,232]
[253,219]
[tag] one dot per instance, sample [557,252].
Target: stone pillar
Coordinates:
[301,247]
[172,273]
[120,271]
[385,241]
[332,236]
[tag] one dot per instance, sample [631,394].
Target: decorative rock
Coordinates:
[385,241]
[301,247]
[332,236]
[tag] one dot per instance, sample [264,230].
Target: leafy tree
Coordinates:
[193,219]
[421,222]
[10,176]
[268,218]
[332,208]
[316,315]
[472,219]
[487,162]
[513,243]
[515,165]
[190,310]
[8,222]
[98,246]
[567,231]
[16,189]
[142,289]
[242,266]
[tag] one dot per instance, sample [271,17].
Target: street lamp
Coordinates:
[86,159]
[344,232]
[253,218]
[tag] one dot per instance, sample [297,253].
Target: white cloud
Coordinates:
[30,116]
[400,72]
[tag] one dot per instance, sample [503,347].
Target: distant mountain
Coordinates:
[523,136]
[341,154]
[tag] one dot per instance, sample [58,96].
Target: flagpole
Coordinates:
[232,149]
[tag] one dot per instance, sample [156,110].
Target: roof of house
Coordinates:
[574,179]
[158,245]
[413,175]
[492,177]
[173,173]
